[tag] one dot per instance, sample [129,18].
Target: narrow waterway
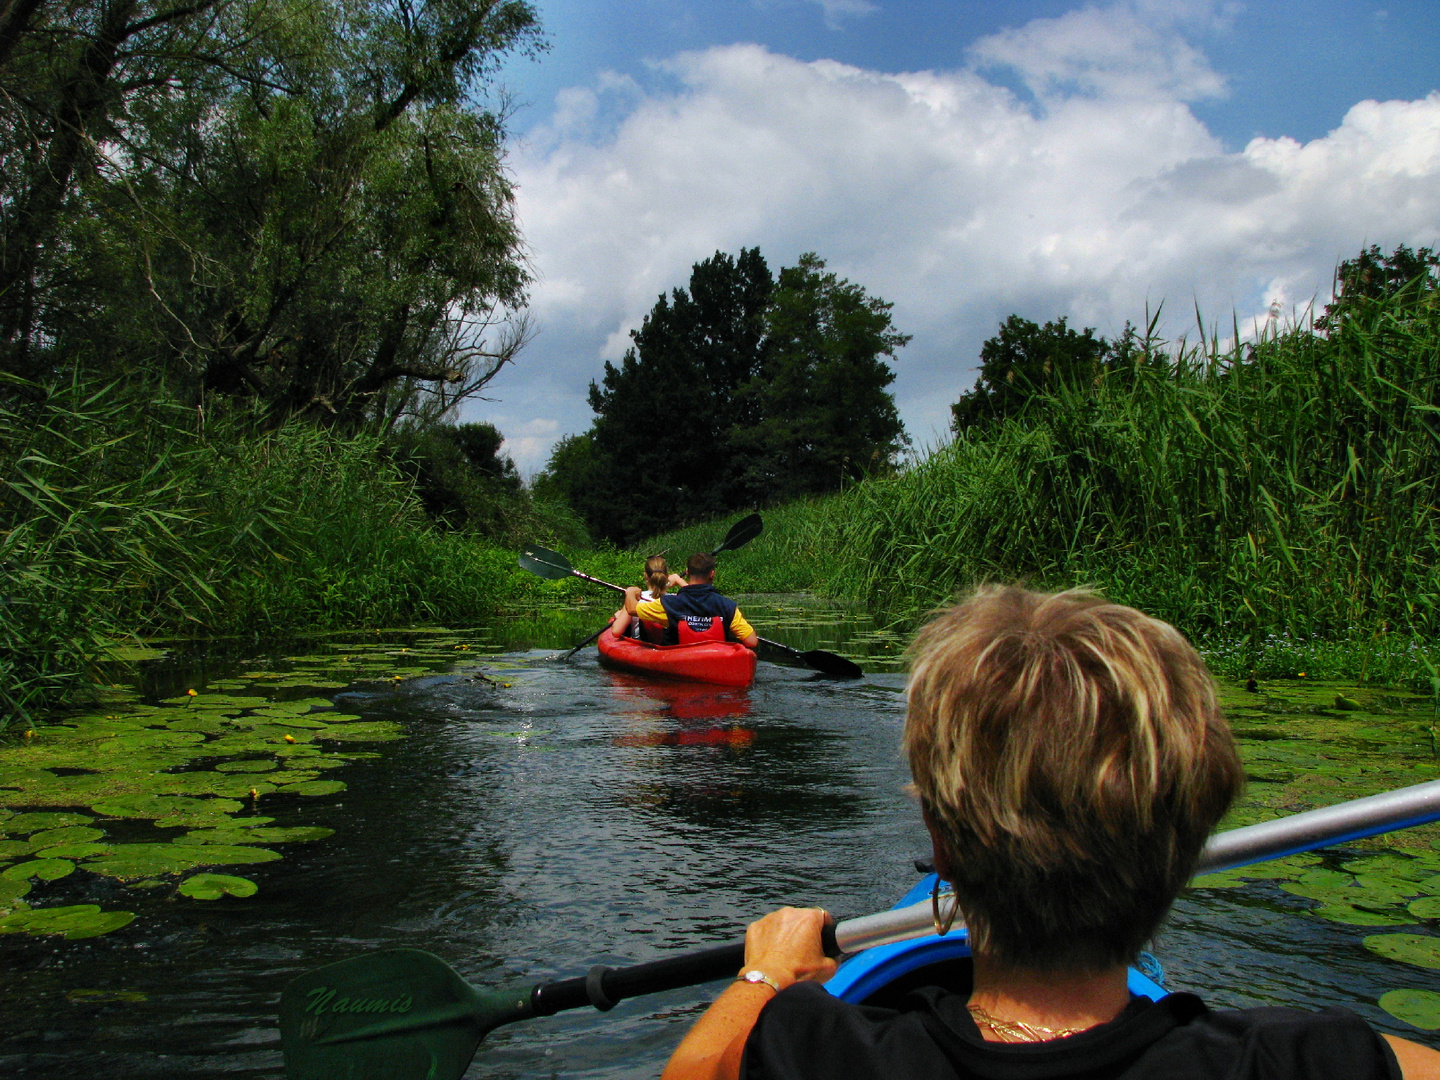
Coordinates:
[527,828]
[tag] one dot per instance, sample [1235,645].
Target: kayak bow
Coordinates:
[723,663]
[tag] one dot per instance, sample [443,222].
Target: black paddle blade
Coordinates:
[827,663]
[391,1015]
[550,565]
[740,534]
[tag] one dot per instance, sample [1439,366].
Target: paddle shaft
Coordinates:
[1370,816]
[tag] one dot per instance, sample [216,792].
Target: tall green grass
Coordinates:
[122,515]
[1281,495]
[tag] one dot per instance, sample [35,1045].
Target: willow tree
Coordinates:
[301,202]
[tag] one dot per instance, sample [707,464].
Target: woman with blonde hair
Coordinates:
[1070,760]
[658,579]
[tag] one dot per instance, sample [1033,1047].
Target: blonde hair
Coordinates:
[1072,759]
[657,574]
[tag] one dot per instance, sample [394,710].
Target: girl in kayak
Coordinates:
[1070,760]
[657,578]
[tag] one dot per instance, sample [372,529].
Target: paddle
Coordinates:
[825,662]
[552,566]
[405,1013]
[740,534]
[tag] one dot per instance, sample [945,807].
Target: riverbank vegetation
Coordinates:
[1276,498]
[253,255]
[125,516]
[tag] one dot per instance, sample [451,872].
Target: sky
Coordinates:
[963,160]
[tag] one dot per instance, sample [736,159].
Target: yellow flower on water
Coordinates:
[290,738]
[1300,674]
[29,734]
[190,693]
[254,795]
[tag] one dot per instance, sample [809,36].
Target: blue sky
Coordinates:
[964,160]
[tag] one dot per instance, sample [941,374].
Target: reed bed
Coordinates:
[1277,500]
[124,516]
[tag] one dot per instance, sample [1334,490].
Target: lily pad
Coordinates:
[11,890]
[1351,915]
[70,834]
[1392,865]
[40,869]
[1427,907]
[128,865]
[214,886]
[1418,1008]
[34,822]
[251,765]
[74,851]
[1422,951]
[12,849]
[75,922]
[260,835]
[154,806]
[315,787]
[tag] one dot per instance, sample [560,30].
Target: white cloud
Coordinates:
[950,195]
[836,11]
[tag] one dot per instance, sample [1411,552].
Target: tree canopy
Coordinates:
[1025,361]
[740,391]
[293,201]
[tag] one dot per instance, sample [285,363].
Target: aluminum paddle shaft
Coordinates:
[1400,809]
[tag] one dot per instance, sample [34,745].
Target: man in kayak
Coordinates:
[697,612]
[1070,759]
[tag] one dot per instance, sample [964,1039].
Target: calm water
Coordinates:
[575,817]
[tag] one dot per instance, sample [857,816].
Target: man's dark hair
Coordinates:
[700,565]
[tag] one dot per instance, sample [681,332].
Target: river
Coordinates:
[561,816]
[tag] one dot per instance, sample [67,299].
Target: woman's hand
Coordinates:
[787,946]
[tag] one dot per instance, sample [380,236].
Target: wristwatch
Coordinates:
[753,976]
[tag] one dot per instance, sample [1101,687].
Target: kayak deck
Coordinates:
[722,663]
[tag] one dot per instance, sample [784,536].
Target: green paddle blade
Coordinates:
[550,565]
[389,1016]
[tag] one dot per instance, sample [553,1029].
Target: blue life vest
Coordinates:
[697,613]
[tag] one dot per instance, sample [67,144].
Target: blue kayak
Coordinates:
[885,974]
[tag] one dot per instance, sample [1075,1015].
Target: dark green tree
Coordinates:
[462,477]
[818,412]
[738,391]
[1026,361]
[663,416]
[1403,281]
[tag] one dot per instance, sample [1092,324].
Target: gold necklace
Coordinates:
[1018,1030]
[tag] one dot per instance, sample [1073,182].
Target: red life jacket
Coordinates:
[696,613]
[689,635]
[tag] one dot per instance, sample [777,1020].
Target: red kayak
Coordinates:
[725,663]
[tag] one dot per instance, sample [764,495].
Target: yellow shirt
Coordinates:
[654,611]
